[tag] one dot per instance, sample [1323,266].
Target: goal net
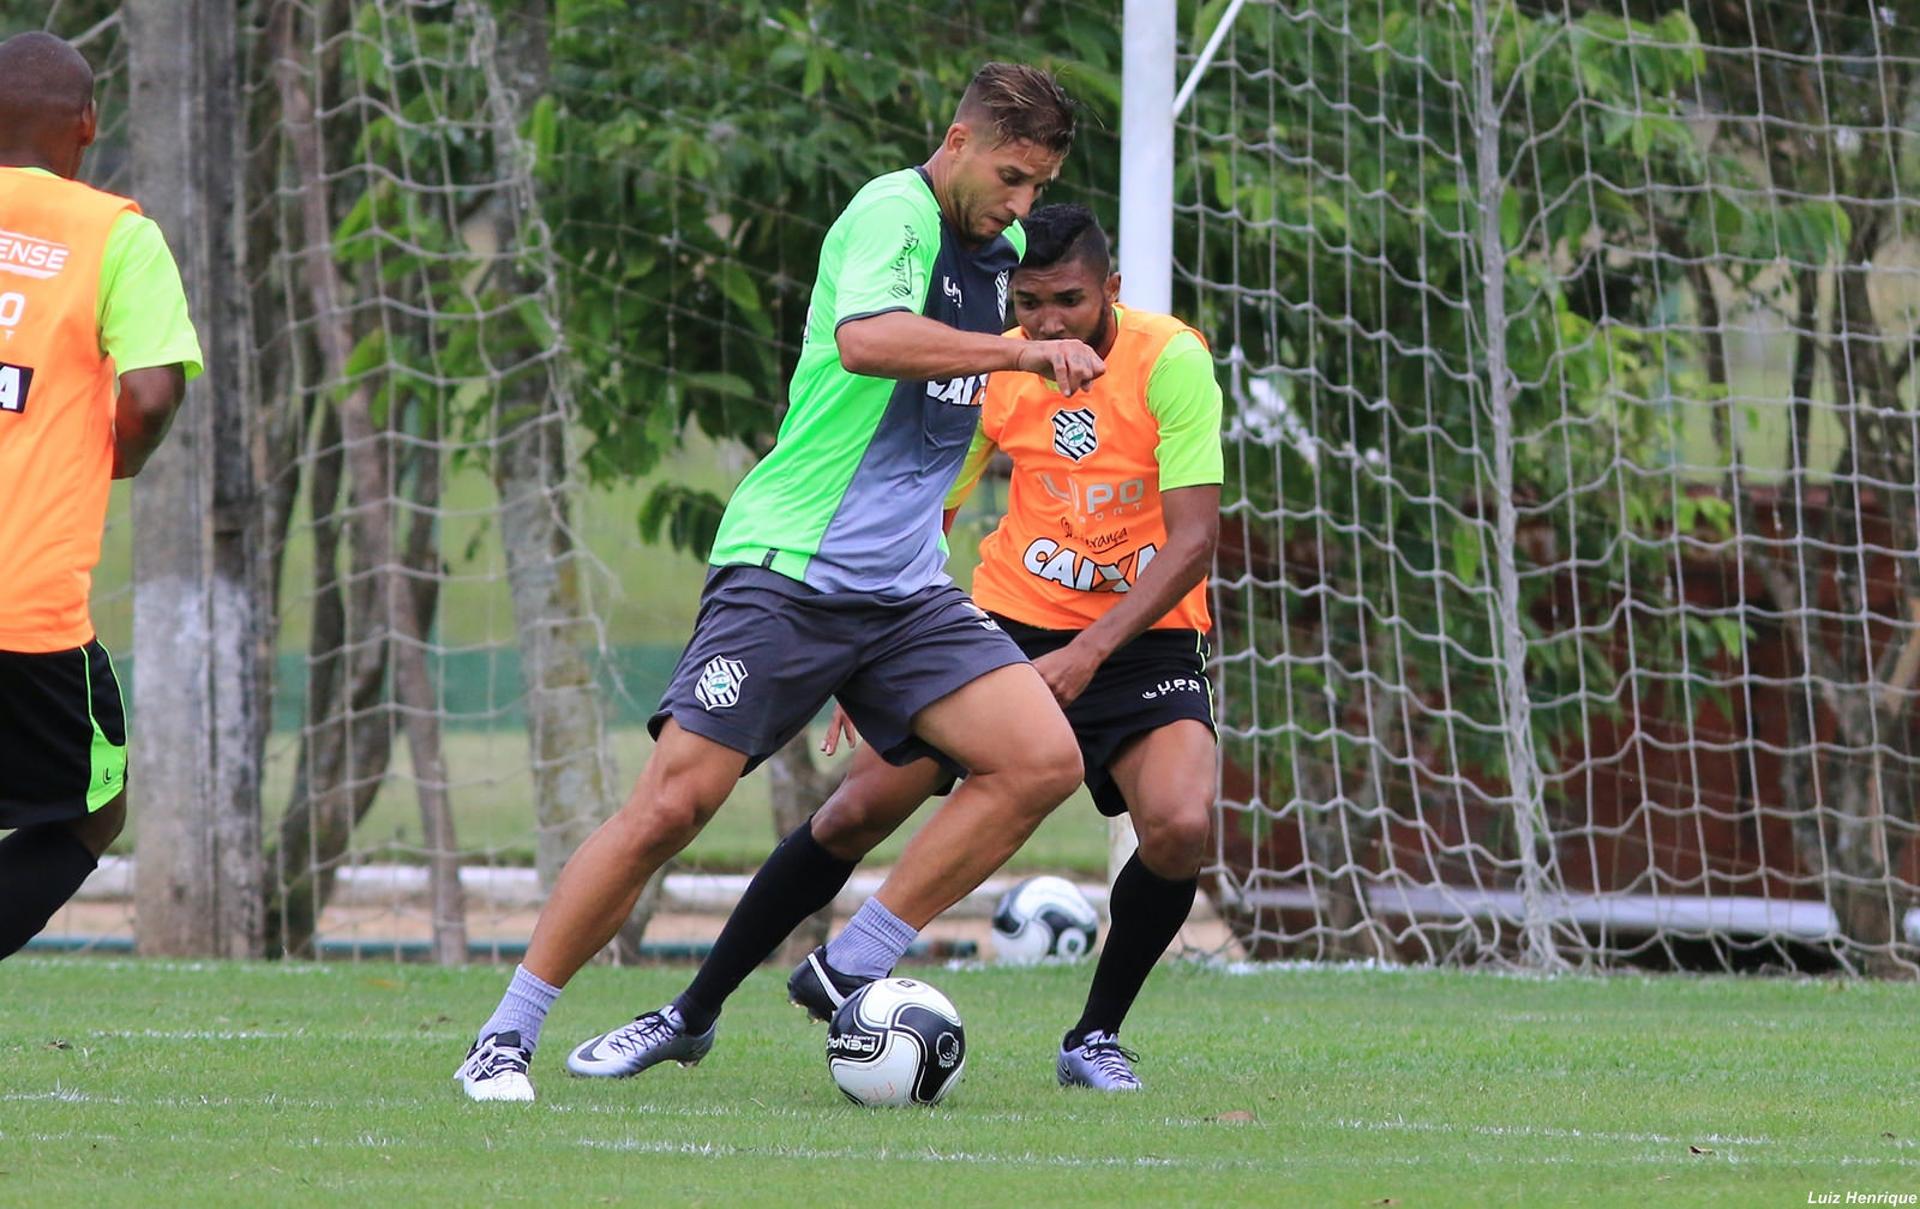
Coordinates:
[1569,590]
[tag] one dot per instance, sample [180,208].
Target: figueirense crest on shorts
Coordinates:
[719,684]
[1073,433]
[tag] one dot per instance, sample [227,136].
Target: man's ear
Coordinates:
[958,136]
[1113,288]
[89,124]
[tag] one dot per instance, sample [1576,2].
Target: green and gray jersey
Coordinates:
[849,500]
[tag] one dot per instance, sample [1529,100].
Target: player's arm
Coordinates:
[1193,529]
[145,410]
[1184,397]
[882,252]
[902,345]
[145,328]
[978,455]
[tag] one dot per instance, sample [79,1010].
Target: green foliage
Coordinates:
[691,162]
[1360,262]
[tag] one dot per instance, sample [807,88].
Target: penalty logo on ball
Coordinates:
[894,1043]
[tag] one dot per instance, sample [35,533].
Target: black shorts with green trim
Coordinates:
[1156,680]
[63,735]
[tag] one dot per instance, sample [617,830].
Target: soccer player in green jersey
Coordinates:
[828,576]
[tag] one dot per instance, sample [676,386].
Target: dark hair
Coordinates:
[1063,232]
[42,79]
[1022,104]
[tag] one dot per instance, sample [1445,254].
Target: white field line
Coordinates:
[1538,1131]
[157,965]
[1771,1149]
[67,1095]
[723,1150]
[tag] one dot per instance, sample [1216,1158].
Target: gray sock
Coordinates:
[871,943]
[523,1009]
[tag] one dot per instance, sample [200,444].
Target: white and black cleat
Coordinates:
[1098,1062]
[819,988]
[496,1069]
[648,1041]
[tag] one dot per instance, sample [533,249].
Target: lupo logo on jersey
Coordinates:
[1167,688]
[1073,434]
[719,684]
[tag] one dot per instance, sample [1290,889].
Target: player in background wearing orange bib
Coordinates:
[90,298]
[1098,572]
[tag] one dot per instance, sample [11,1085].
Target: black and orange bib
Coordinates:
[1083,511]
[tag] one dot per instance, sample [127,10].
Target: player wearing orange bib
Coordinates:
[1098,572]
[90,300]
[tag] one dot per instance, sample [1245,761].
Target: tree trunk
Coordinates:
[573,789]
[199,701]
[372,527]
[348,740]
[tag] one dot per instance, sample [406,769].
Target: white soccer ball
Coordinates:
[896,1042]
[1044,917]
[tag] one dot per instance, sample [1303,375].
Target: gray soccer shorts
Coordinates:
[768,652]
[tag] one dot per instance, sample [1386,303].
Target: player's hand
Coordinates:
[1067,671]
[1070,364]
[841,725]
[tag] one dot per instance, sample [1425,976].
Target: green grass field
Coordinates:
[210,1084]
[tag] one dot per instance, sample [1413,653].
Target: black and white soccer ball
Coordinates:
[896,1042]
[1044,917]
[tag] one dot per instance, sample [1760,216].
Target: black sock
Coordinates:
[799,878]
[1147,913]
[40,868]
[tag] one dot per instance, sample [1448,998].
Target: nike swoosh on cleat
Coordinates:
[832,994]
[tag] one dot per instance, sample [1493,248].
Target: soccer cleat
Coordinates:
[1098,1062]
[496,1069]
[650,1040]
[819,988]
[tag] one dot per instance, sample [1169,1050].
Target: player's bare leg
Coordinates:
[872,802]
[1167,779]
[1022,761]
[42,867]
[800,876]
[684,782]
[686,779]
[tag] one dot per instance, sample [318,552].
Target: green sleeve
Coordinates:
[970,470]
[884,257]
[143,308]
[1184,396]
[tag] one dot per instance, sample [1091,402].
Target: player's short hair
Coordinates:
[1020,104]
[1065,232]
[42,78]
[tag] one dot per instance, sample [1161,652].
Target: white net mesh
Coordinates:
[1568,586]
[1568,589]
[516,284]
